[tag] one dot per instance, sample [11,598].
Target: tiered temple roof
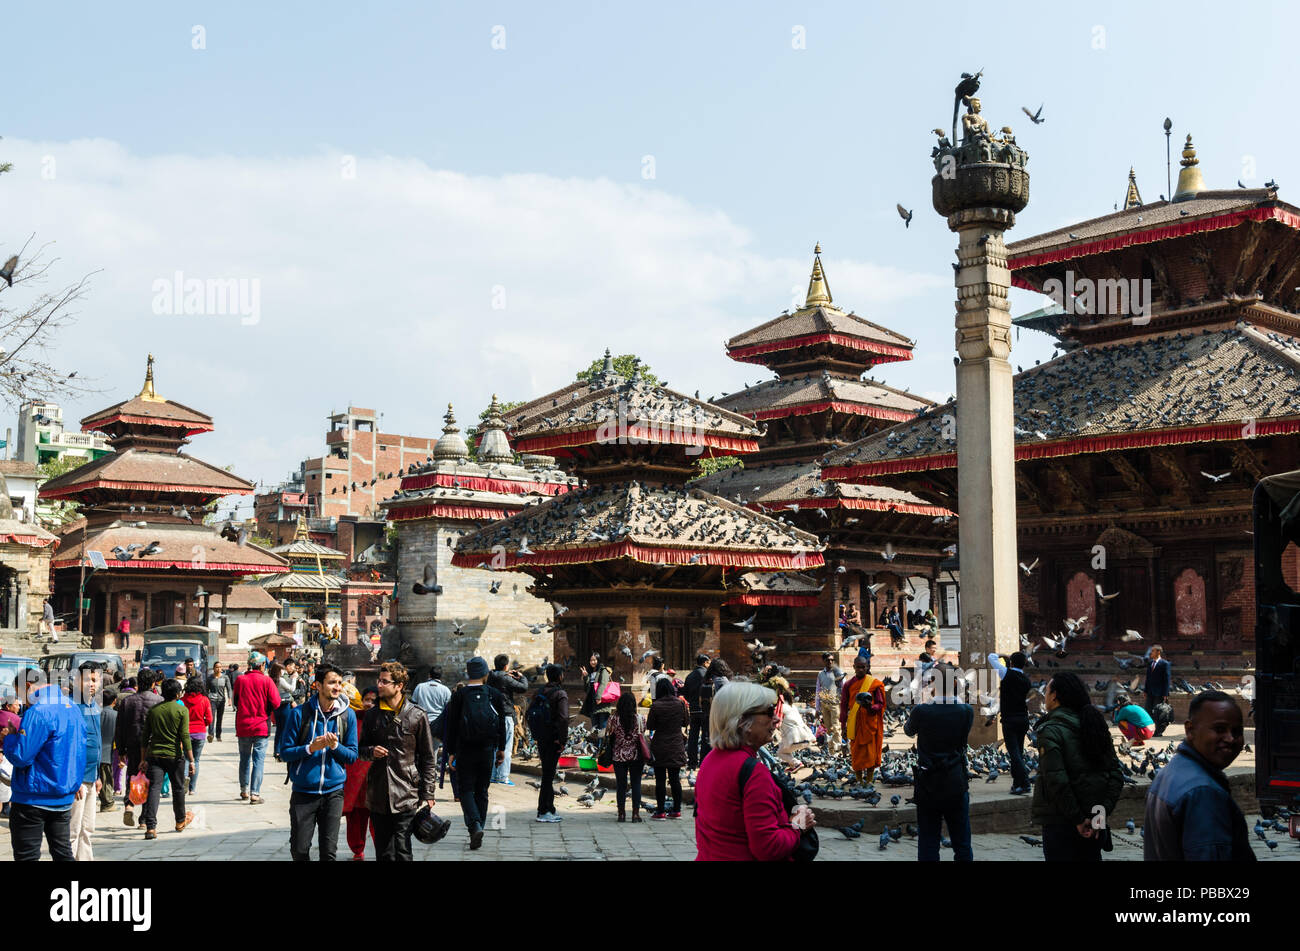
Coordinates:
[315,570]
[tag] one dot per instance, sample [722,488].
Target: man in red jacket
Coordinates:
[256,700]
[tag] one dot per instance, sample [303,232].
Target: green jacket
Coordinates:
[167,731]
[1068,786]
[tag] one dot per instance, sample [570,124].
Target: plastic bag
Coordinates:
[139,790]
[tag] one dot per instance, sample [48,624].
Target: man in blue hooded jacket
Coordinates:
[48,752]
[320,740]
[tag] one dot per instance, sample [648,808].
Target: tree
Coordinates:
[60,512]
[624,365]
[710,464]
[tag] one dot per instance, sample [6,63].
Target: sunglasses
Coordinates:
[386,683]
[762,712]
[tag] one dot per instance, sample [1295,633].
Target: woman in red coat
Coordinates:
[730,827]
[200,708]
[354,788]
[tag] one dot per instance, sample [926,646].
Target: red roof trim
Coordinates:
[649,555]
[139,487]
[480,484]
[235,567]
[888,352]
[34,541]
[1147,236]
[856,409]
[871,505]
[776,600]
[95,423]
[477,512]
[1224,432]
[663,435]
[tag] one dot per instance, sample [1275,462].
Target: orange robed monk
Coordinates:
[863,721]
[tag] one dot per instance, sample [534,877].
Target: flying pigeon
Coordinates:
[1035,117]
[905,215]
[430,585]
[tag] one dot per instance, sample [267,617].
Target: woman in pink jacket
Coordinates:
[730,827]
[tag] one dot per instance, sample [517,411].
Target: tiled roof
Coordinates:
[1157,387]
[196,547]
[153,471]
[580,410]
[299,549]
[774,397]
[248,597]
[158,412]
[294,581]
[819,320]
[1207,204]
[668,524]
[780,582]
[775,487]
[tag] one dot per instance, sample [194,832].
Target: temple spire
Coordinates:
[494,446]
[1190,181]
[451,445]
[147,391]
[1132,199]
[819,291]
[300,533]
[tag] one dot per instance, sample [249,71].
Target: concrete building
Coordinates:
[251,611]
[42,438]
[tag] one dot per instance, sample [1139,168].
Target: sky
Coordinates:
[432,203]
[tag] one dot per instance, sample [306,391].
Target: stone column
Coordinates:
[979,187]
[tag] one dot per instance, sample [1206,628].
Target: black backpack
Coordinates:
[479,720]
[540,717]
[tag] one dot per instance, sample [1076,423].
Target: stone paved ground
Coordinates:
[227,828]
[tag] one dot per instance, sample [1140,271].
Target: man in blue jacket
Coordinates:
[48,752]
[81,825]
[320,740]
[1156,687]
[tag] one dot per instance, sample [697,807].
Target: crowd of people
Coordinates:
[373,760]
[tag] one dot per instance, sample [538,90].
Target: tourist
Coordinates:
[431,697]
[597,678]
[1134,722]
[749,822]
[354,786]
[830,681]
[165,748]
[81,820]
[697,740]
[1079,778]
[1013,693]
[256,700]
[792,732]
[862,719]
[48,758]
[218,693]
[395,738]
[1156,688]
[286,680]
[124,633]
[47,621]
[942,728]
[131,713]
[715,678]
[508,683]
[626,729]
[192,673]
[108,767]
[895,624]
[200,712]
[549,728]
[232,675]
[666,721]
[320,743]
[476,738]
[657,673]
[1191,815]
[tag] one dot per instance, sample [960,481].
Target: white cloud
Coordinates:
[378,290]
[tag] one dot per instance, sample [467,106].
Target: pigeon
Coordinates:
[1131,826]
[1030,840]
[523,547]
[153,548]
[885,839]
[494,587]
[1035,117]
[430,584]
[7,272]
[889,554]
[1216,478]
[905,215]
[648,654]
[626,651]
[1106,597]
[1130,636]
[747,625]
[1028,569]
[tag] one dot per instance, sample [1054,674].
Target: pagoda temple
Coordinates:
[312,586]
[142,509]
[448,612]
[638,559]
[1139,447]
[879,536]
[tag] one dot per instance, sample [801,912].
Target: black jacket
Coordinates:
[1013,695]
[1157,683]
[691,688]
[453,713]
[131,712]
[408,775]
[508,687]
[941,731]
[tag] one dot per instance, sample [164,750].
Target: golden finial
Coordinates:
[300,534]
[1131,197]
[1190,181]
[819,291]
[147,391]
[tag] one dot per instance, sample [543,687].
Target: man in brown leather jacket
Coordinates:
[395,736]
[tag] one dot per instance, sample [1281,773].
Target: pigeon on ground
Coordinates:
[1030,840]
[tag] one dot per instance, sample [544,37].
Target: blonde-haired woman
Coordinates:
[749,823]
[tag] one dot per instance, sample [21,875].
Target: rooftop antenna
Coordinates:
[1169,187]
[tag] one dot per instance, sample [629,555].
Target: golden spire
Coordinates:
[1190,182]
[1131,198]
[819,291]
[147,391]
[300,535]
